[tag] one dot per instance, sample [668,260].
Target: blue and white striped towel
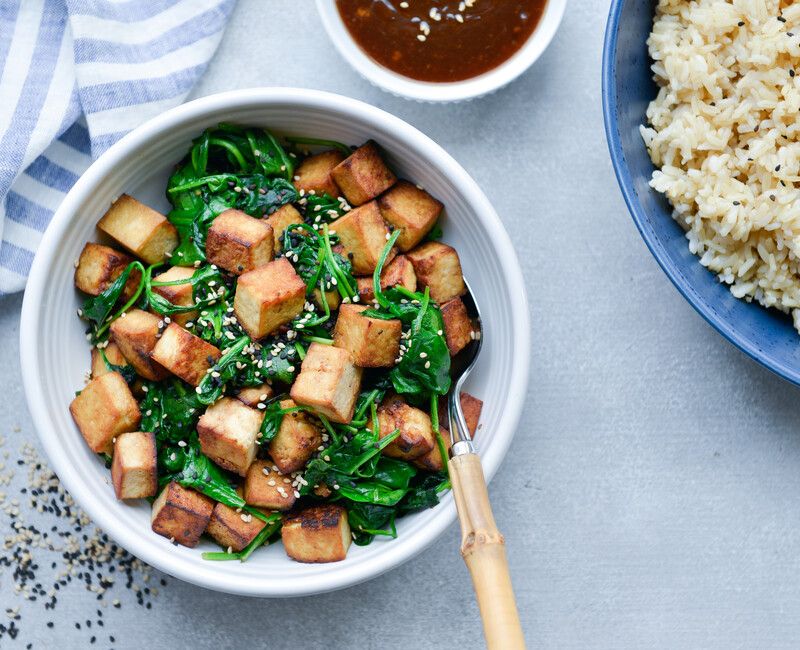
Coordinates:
[76,76]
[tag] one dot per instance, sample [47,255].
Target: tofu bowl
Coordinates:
[55,354]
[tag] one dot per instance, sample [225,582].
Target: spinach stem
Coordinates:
[320,142]
[438,432]
[376,276]
[233,149]
[131,302]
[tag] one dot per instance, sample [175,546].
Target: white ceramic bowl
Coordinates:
[55,354]
[425,91]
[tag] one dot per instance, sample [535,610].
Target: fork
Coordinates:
[482,544]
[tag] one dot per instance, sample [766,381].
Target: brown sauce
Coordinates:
[469,38]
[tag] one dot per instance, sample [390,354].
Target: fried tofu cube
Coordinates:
[411,210]
[363,233]
[136,333]
[458,327]
[268,297]
[416,431]
[255,395]
[298,438]
[184,354]
[238,242]
[266,488]
[328,382]
[363,175]
[432,461]
[98,267]
[373,342]
[399,272]
[181,514]
[333,298]
[317,534]
[471,407]
[228,431]
[313,175]
[104,409]
[114,356]
[366,292]
[181,295]
[437,267]
[231,529]
[140,229]
[133,470]
[280,220]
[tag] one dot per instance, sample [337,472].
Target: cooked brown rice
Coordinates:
[725,135]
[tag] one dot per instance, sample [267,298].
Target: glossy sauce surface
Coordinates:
[441,41]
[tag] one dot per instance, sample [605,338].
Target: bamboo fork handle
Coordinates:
[483,549]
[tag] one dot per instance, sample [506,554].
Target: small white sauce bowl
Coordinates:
[440,92]
[55,354]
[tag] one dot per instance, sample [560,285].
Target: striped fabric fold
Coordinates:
[76,76]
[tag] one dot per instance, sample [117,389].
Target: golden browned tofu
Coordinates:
[268,297]
[181,514]
[280,220]
[472,407]
[437,267]
[181,295]
[140,229]
[298,438]
[133,470]
[432,461]
[416,431]
[363,234]
[266,488]
[366,292]
[136,334]
[184,354]
[232,529]
[104,409]
[328,382]
[317,534]
[98,267]
[363,175]
[457,325]
[228,431]
[238,242]
[332,297]
[314,173]
[255,395]
[373,342]
[114,356]
[410,209]
[399,272]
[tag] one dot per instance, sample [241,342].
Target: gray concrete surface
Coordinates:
[651,495]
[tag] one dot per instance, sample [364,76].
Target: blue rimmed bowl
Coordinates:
[766,335]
